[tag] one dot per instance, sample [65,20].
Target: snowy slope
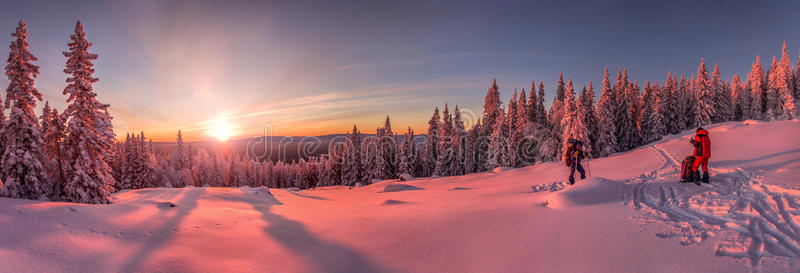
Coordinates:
[630,216]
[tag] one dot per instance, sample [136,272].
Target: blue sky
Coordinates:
[317,67]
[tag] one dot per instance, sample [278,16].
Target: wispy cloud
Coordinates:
[433,58]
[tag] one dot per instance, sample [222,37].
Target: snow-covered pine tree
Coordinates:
[388,150]
[491,108]
[772,104]
[741,99]
[333,165]
[557,115]
[146,172]
[660,115]
[53,127]
[672,106]
[576,128]
[542,113]
[511,120]
[522,109]
[179,160]
[407,154]
[446,152]
[589,112]
[687,101]
[90,136]
[756,86]
[606,143]
[784,81]
[704,108]
[481,144]
[648,110]
[573,122]
[469,149]
[498,143]
[459,141]
[722,100]
[432,143]
[533,104]
[797,78]
[352,166]
[21,164]
[627,131]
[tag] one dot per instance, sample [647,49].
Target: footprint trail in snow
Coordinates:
[752,219]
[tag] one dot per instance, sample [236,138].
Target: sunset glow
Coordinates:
[221,129]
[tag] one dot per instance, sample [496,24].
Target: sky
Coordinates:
[318,67]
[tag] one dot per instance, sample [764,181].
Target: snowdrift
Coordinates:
[630,215]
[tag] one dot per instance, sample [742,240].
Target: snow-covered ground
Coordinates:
[630,216]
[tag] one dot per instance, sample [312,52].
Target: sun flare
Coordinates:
[221,130]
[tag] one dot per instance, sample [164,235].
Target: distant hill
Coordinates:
[275,148]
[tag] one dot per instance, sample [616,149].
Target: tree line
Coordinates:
[74,155]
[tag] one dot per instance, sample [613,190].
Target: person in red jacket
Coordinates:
[702,152]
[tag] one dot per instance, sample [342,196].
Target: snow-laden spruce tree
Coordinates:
[741,99]
[687,101]
[557,115]
[90,136]
[773,107]
[511,125]
[432,144]
[568,118]
[704,107]
[660,115]
[21,164]
[576,128]
[542,115]
[445,146]
[459,140]
[179,157]
[784,81]
[627,132]
[498,144]
[53,127]
[722,101]
[672,106]
[648,110]
[589,113]
[468,147]
[407,154]
[606,143]
[797,79]
[532,108]
[756,84]
[491,108]
[353,168]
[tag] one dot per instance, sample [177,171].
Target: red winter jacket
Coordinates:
[704,147]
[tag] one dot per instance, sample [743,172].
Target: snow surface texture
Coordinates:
[631,215]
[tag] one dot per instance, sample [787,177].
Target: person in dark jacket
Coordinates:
[702,152]
[575,154]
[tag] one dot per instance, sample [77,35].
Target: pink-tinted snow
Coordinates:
[630,216]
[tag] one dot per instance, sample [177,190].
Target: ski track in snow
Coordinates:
[758,220]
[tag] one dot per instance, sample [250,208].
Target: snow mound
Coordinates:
[400,187]
[751,122]
[501,169]
[555,186]
[405,177]
[459,189]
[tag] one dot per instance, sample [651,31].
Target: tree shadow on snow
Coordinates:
[163,235]
[738,162]
[599,191]
[325,256]
[308,196]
